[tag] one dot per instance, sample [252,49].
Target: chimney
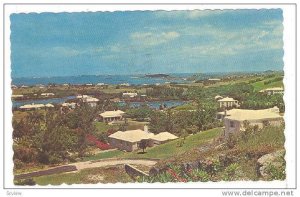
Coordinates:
[146,128]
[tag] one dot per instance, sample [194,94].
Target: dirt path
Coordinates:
[113,162]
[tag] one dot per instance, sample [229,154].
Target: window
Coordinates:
[231,124]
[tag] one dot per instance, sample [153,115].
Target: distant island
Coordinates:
[158,76]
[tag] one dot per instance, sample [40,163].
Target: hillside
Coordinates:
[237,159]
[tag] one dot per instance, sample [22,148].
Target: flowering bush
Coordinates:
[98,143]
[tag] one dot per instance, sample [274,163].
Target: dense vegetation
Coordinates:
[46,137]
[49,137]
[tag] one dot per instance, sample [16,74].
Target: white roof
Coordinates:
[164,136]
[218,97]
[68,104]
[32,106]
[91,99]
[226,99]
[129,93]
[17,95]
[132,135]
[82,96]
[245,114]
[47,93]
[108,114]
[276,89]
[49,105]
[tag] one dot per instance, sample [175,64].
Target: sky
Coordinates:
[143,42]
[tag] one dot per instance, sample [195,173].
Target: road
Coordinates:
[113,162]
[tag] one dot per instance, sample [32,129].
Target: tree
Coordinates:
[143,144]
[157,122]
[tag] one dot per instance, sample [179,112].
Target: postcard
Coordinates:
[109,96]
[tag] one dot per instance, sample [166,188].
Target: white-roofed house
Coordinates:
[128,140]
[32,106]
[17,96]
[234,121]
[47,94]
[49,105]
[271,91]
[228,102]
[163,137]
[91,101]
[129,94]
[110,116]
[218,97]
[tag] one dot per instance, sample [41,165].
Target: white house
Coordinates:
[69,105]
[109,116]
[17,96]
[218,97]
[163,137]
[228,102]
[47,94]
[271,91]
[129,94]
[128,140]
[234,120]
[49,105]
[32,106]
[124,84]
[91,101]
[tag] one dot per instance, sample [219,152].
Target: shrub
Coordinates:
[199,175]
[276,172]
[230,172]
[18,164]
[29,181]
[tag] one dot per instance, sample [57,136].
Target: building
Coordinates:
[32,106]
[221,115]
[14,87]
[91,101]
[125,84]
[17,96]
[49,105]
[129,94]
[271,91]
[128,140]
[218,97]
[47,94]
[234,120]
[228,102]
[109,116]
[69,105]
[163,137]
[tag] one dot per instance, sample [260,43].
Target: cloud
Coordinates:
[153,39]
[65,51]
[190,14]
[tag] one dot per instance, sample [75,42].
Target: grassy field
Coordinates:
[104,155]
[172,148]
[260,85]
[103,127]
[111,174]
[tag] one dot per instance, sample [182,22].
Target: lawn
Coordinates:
[172,148]
[260,84]
[185,107]
[111,174]
[102,127]
[104,155]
